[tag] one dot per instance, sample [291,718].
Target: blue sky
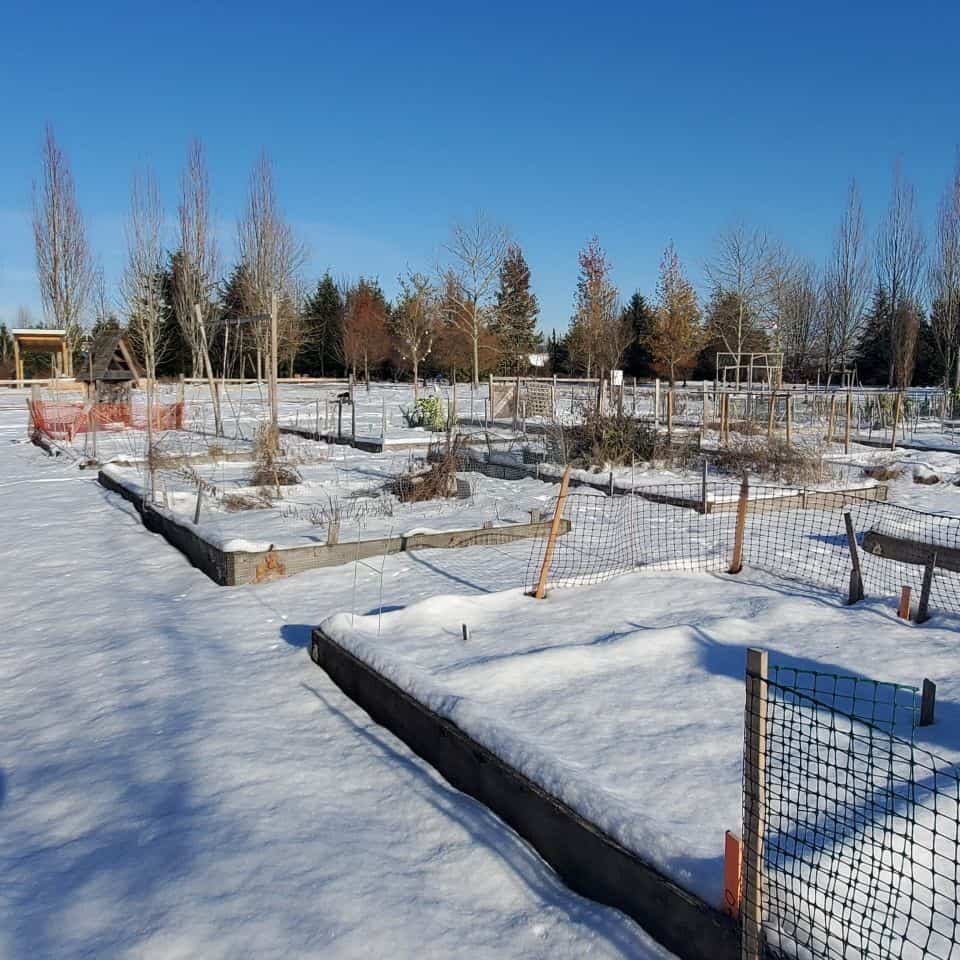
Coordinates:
[640,123]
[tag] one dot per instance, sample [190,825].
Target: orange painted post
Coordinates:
[732,864]
[736,562]
[551,541]
[903,611]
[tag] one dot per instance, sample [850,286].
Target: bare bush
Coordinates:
[272,468]
[439,480]
[770,459]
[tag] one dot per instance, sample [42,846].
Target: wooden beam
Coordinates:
[914,552]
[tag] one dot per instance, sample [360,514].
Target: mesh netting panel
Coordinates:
[861,835]
[797,534]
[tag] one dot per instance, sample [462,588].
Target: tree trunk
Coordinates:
[476,359]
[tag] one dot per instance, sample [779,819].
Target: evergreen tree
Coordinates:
[323,331]
[873,354]
[557,352]
[176,356]
[515,313]
[639,316]
[675,336]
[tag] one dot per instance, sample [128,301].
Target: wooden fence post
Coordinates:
[896,420]
[830,419]
[856,575]
[736,562]
[789,419]
[923,607]
[670,412]
[493,409]
[656,403]
[928,700]
[846,429]
[704,501]
[552,539]
[773,401]
[754,803]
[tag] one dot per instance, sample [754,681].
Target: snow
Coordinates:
[178,780]
[625,699]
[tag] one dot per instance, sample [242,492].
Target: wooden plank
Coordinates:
[910,551]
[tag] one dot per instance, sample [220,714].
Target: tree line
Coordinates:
[886,305]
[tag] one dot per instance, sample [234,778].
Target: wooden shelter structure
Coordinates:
[111,368]
[52,342]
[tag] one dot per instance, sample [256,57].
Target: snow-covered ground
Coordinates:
[178,780]
[335,480]
[626,699]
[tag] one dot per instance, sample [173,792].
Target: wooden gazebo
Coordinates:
[52,342]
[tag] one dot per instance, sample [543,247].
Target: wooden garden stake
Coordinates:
[196,509]
[732,869]
[670,412]
[333,533]
[896,420]
[754,803]
[736,562]
[552,539]
[923,607]
[846,429]
[789,418]
[830,420]
[856,575]
[903,611]
[773,401]
[704,503]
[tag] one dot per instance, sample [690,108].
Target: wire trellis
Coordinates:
[860,831]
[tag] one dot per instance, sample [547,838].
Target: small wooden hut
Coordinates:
[111,370]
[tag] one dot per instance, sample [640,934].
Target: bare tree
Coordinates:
[195,263]
[477,251]
[415,321]
[943,280]
[269,252]
[142,287]
[899,261]
[846,286]
[745,265]
[800,320]
[64,265]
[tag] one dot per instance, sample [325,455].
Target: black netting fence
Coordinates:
[793,533]
[859,828]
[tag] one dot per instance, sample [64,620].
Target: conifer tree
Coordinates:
[323,330]
[639,317]
[675,334]
[515,313]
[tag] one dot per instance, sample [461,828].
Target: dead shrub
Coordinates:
[614,439]
[772,460]
[438,481]
[882,471]
[272,468]
[235,502]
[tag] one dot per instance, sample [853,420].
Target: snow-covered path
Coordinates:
[178,780]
